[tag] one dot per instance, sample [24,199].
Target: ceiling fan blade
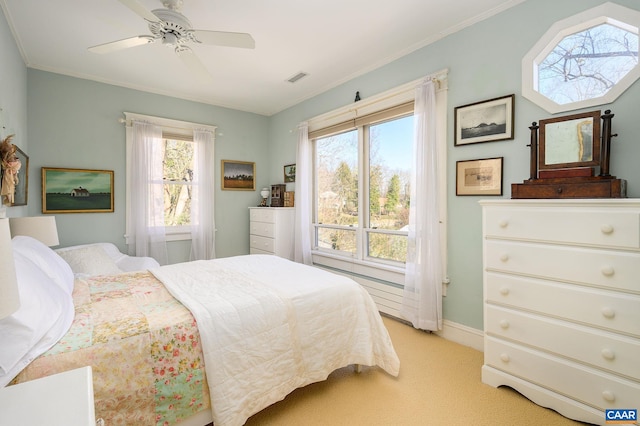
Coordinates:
[194,64]
[136,7]
[121,44]
[223,38]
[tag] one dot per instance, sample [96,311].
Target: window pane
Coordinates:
[337,239]
[178,173]
[587,64]
[177,204]
[389,247]
[390,152]
[337,179]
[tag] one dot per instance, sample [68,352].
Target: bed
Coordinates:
[188,343]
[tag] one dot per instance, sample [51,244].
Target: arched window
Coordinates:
[585,60]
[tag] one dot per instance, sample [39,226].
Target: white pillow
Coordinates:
[90,260]
[45,259]
[45,315]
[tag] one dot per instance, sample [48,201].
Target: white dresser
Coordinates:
[271,231]
[562,303]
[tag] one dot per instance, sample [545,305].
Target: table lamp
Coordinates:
[42,228]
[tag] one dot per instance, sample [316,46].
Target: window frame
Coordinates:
[387,272]
[170,129]
[607,13]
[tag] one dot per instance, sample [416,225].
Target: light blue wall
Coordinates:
[13,98]
[73,123]
[484,62]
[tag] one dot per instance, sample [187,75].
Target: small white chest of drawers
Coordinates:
[271,231]
[562,303]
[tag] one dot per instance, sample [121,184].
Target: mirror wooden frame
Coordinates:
[569,121]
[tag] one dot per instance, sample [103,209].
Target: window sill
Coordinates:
[377,271]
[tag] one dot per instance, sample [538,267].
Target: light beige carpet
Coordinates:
[439,384]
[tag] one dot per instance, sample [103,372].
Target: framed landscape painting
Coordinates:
[479,177]
[238,175]
[77,190]
[485,121]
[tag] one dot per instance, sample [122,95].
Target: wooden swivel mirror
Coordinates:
[571,159]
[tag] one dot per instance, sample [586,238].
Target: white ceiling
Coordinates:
[331,40]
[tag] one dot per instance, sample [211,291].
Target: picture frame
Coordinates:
[238,175]
[289,173]
[479,177]
[486,121]
[20,196]
[77,190]
[570,141]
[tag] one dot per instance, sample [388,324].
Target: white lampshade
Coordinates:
[264,192]
[9,297]
[42,228]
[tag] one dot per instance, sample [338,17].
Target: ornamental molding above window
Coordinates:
[588,59]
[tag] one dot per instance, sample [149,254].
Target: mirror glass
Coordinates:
[571,141]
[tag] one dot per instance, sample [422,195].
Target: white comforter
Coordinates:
[269,326]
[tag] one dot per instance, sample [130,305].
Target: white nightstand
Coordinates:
[64,399]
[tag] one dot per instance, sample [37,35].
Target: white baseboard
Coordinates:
[462,334]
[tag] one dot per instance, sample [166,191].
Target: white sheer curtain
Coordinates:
[422,297]
[147,196]
[303,196]
[203,229]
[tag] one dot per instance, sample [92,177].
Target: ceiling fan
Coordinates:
[173,29]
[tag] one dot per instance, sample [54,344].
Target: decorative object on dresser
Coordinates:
[571,150]
[264,193]
[277,194]
[271,231]
[562,302]
[289,198]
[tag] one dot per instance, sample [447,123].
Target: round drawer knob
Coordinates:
[505,357]
[608,396]
[607,271]
[504,291]
[504,257]
[606,229]
[608,312]
[608,354]
[504,324]
[503,223]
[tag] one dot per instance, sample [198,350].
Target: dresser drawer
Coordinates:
[590,226]
[618,312]
[264,229]
[601,268]
[262,243]
[587,385]
[262,215]
[602,349]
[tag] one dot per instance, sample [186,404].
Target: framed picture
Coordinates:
[21,189]
[479,177]
[485,121]
[238,175]
[77,190]
[289,173]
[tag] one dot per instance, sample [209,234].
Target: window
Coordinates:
[362,192]
[586,60]
[176,157]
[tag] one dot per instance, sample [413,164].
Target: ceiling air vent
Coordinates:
[297,77]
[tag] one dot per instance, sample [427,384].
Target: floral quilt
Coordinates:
[143,346]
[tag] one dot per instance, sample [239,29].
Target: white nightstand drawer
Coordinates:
[618,312]
[262,243]
[611,269]
[584,384]
[586,226]
[262,228]
[602,349]
[262,215]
